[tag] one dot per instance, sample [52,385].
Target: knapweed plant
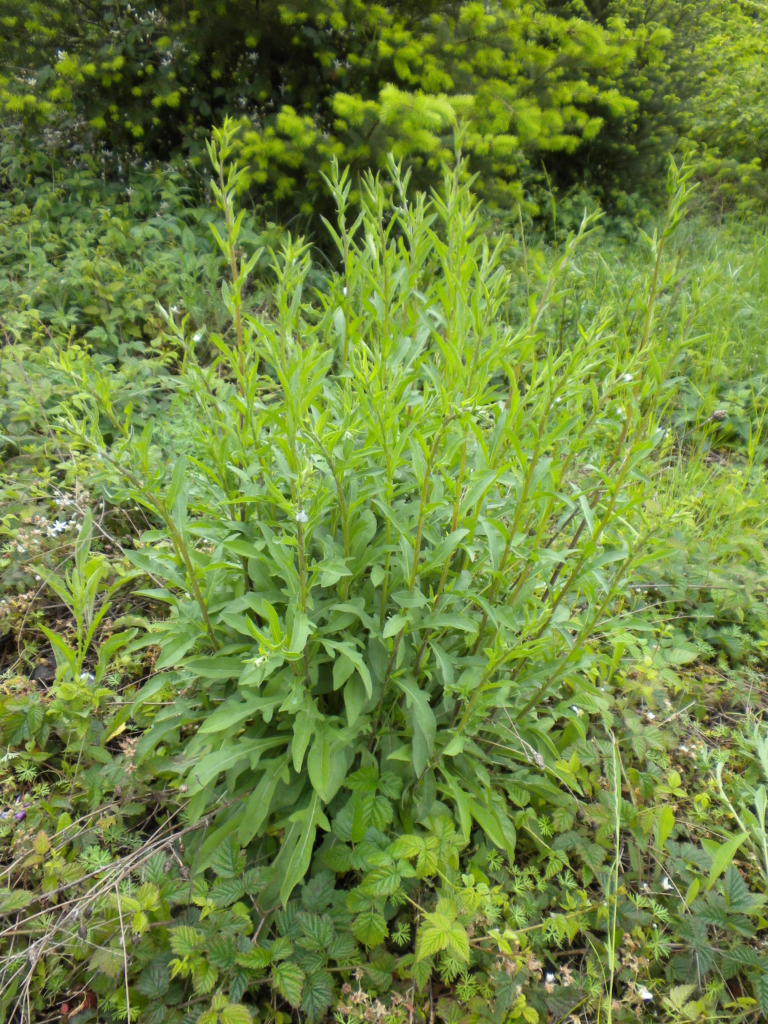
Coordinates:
[396,556]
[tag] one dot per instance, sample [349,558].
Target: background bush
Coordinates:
[595,93]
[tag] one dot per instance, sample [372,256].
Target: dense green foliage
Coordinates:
[382,618]
[340,610]
[596,92]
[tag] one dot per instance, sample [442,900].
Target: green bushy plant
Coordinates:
[395,736]
[401,536]
[401,546]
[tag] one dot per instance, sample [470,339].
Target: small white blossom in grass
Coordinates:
[198,336]
[645,995]
[666,885]
[174,309]
[627,377]
[302,517]
[549,978]
[577,711]
[650,716]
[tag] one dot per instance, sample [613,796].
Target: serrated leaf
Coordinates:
[343,949]
[390,785]
[592,855]
[256,959]
[19,899]
[760,986]
[382,882]
[41,844]
[364,780]
[316,930]
[338,858]
[235,1013]
[317,894]
[185,941]
[226,891]
[221,950]
[228,861]
[379,812]
[318,995]
[204,978]
[288,979]
[407,846]
[370,928]
[153,981]
[737,893]
[421,972]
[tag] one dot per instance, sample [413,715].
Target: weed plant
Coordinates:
[391,724]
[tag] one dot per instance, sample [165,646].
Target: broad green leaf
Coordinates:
[257,807]
[326,763]
[303,726]
[664,825]
[297,864]
[394,624]
[722,855]
[419,700]
[300,633]
[355,698]
[234,711]
[351,653]
[213,764]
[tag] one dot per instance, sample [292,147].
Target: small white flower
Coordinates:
[650,716]
[558,399]
[628,377]
[549,978]
[666,885]
[198,336]
[644,994]
[345,290]
[174,309]
[348,435]
[302,517]
[578,711]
